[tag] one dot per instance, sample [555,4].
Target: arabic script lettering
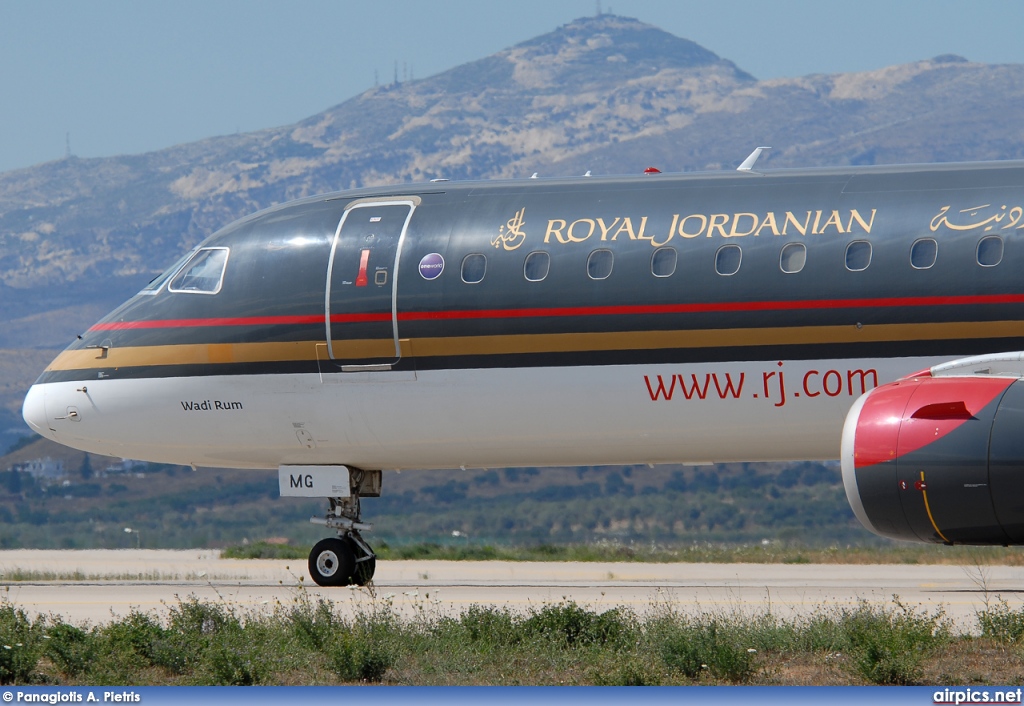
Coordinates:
[978,217]
[510,236]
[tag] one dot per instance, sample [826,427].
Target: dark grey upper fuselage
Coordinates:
[279,261]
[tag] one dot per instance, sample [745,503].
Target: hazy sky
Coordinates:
[124,77]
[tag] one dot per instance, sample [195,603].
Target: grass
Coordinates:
[771,553]
[264,550]
[16,575]
[306,641]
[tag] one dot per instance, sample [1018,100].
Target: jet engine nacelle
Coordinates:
[938,459]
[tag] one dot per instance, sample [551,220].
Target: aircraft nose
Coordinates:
[34,412]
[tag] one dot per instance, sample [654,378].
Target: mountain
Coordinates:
[595,81]
[608,94]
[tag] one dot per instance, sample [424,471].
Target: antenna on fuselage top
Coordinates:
[748,163]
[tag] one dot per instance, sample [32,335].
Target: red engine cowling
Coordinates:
[938,460]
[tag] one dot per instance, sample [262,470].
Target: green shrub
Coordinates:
[111,654]
[889,645]
[217,647]
[490,626]
[20,645]
[134,638]
[361,656]
[569,624]
[195,619]
[315,625]
[236,661]
[71,649]
[695,649]
[1001,623]
[822,633]
[628,672]
[190,636]
[217,643]
[373,659]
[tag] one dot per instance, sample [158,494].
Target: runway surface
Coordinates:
[95,585]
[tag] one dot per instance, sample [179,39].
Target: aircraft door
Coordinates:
[362,284]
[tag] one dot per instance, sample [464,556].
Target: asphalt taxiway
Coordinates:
[95,585]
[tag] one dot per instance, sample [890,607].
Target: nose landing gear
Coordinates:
[346,559]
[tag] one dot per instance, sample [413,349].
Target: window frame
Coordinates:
[782,252]
[739,264]
[611,268]
[675,261]
[1002,250]
[547,269]
[935,253]
[184,268]
[846,255]
[462,268]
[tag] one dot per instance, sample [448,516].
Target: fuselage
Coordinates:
[655,319]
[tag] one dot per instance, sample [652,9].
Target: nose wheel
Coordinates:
[342,561]
[347,559]
[332,562]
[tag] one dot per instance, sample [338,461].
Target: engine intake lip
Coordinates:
[847,463]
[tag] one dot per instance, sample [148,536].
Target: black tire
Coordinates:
[363,572]
[332,562]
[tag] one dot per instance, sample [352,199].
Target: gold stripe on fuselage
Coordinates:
[222,353]
[184,354]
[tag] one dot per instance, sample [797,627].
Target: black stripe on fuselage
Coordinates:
[863,351]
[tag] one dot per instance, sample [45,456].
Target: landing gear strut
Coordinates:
[346,559]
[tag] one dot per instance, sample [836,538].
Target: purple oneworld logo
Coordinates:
[431,266]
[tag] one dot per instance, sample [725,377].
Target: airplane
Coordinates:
[874,314]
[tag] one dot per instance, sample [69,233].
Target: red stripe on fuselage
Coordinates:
[622,310]
[713,307]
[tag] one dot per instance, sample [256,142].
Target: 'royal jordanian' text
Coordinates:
[710,225]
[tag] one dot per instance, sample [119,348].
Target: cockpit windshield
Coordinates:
[157,282]
[203,274]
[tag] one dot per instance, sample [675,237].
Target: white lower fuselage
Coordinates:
[476,418]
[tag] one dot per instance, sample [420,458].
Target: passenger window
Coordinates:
[663,262]
[474,266]
[793,257]
[858,255]
[203,274]
[536,267]
[922,253]
[599,264]
[990,251]
[728,259]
